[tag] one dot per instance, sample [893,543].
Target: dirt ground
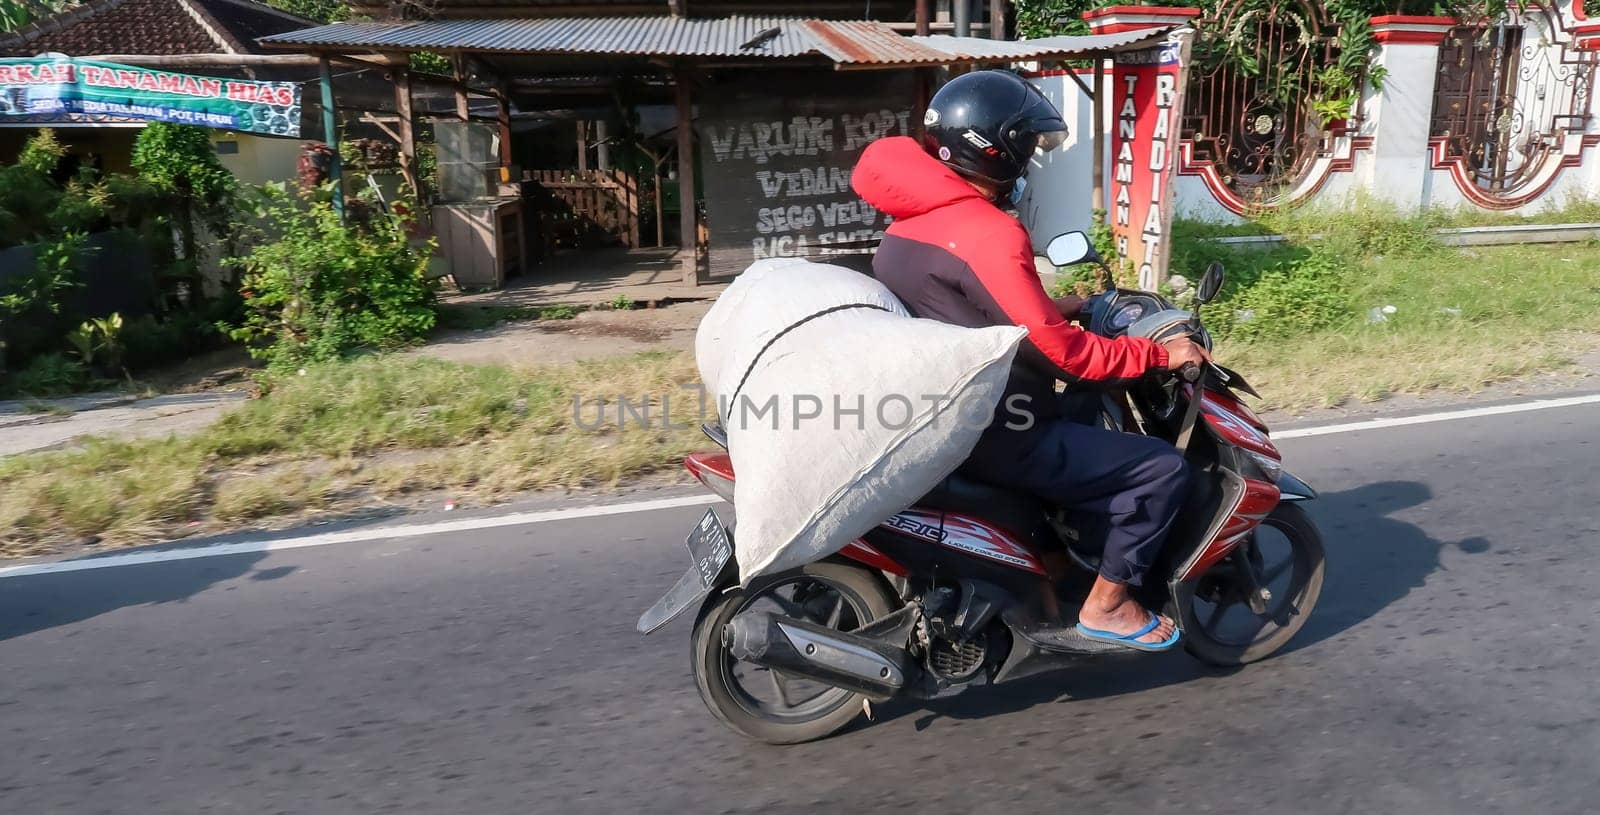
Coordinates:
[589,335]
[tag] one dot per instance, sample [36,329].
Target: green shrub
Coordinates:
[149,341]
[1293,297]
[180,162]
[33,312]
[48,375]
[316,288]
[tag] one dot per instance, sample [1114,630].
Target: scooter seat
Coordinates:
[1017,513]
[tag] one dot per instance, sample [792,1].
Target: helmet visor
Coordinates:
[1050,140]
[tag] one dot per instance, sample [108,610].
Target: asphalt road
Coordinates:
[1450,668]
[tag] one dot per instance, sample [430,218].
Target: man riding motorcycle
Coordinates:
[953,255]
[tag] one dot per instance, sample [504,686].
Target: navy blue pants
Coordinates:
[1132,485]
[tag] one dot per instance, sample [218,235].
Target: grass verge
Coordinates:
[1404,315]
[370,427]
[1461,319]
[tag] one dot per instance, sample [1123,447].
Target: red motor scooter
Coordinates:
[977,584]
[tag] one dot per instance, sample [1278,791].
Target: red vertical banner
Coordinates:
[1147,87]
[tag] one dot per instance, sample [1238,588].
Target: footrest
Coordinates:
[1067,640]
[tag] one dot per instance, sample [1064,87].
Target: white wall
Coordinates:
[259,158]
[1061,183]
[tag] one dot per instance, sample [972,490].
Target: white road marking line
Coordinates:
[354,536]
[1430,418]
[546,516]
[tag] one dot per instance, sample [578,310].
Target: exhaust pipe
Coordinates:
[872,667]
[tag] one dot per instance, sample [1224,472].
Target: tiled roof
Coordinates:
[155,27]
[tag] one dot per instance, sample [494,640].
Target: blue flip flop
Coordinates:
[1132,640]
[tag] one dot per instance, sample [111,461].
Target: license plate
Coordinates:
[710,548]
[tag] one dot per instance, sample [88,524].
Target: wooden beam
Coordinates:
[235,60]
[1077,80]
[690,253]
[382,123]
[997,19]
[923,17]
[408,131]
[330,135]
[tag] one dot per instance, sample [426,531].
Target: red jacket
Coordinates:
[953,256]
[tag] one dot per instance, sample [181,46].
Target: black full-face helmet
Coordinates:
[988,124]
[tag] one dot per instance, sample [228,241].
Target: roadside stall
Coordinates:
[768,113]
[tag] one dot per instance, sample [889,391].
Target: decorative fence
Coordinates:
[1495,113]
[1250,113]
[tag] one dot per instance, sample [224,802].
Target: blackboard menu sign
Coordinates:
[776,152]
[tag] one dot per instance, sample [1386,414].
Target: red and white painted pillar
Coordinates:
[1397,115]
[1117,19]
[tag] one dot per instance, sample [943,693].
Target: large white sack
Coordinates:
[808,484]
[767,298]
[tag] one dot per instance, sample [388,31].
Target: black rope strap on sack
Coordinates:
[792,326]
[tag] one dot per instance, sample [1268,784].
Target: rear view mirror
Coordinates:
[1210,283]
[1070,248]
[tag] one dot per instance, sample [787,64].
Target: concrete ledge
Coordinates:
[1520,233]
[1461,236]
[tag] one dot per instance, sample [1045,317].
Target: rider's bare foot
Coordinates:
[1111,607]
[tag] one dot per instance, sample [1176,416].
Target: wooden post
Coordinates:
[925,76]
[997,19]
[462,111]
[1097,130]
[661,226]
[690,253]
[632,182]
[330,134]
[583,147]
[502,92]
[408,133]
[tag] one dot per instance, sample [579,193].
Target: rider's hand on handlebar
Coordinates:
[1184,351]
[1070,306]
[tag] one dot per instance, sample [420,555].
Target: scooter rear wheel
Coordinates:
[1220,628]
[768,705]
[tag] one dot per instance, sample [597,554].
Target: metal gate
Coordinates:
[1506,94]
[1249,110]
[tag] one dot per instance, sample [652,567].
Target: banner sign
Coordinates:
[35,88]
[777,154]
[1147,99]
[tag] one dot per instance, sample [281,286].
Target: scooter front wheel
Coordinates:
[1285,552]
[769,705]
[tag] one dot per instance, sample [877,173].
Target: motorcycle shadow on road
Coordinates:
[33,603]
[1373,561]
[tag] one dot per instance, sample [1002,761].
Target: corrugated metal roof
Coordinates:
[627,36]
[1063,47]
[853,42]
[845,42]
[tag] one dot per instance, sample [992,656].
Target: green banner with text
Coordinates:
[39,89]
